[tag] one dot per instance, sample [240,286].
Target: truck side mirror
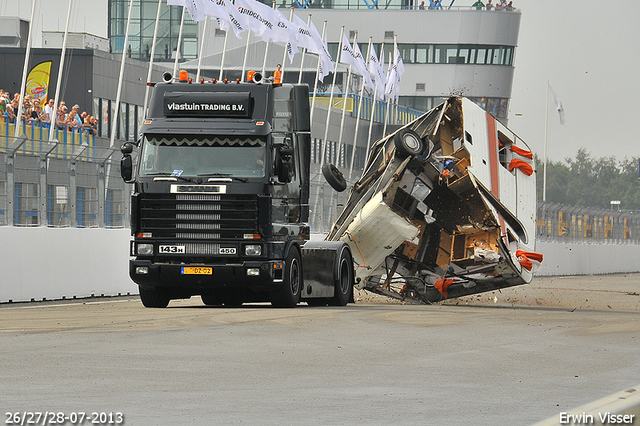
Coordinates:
[285,163]
[126,163]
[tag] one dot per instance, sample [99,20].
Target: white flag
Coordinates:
[377,70]
[306,37]
[260,18]
[223,10]
[326,62]
[362,67]
[558,103]
[392,89]
[351,56]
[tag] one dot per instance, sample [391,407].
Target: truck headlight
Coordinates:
[253,250]
[145,249]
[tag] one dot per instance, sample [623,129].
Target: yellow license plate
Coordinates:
[196,270]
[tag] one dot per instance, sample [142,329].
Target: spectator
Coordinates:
[61,119]
[510,6]
[489,5]
[94,125]
[478,5]
[502,5]
[49,111]
[36,115]
[422,6]
[10,113]
[277,75]
[3,106]
[72,118]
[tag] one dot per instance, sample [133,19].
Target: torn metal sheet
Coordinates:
[445,208]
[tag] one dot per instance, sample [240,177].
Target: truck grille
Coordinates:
[198,216]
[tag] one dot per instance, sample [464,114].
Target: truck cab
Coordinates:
[221,195]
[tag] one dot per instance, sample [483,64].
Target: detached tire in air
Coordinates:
[408,143]
[152,298]
[288,295]
[334,177]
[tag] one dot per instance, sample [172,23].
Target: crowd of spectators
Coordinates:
[35,115]
[500,5]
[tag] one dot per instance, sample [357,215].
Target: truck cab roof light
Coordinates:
[237,81]
[201,80]
[226,81]
[213,80]
[183,76]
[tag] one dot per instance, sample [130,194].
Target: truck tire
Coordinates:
[408,143]
[152,298]
[344,283]
[334,177]
[288,295]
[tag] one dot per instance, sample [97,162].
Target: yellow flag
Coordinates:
[38,82]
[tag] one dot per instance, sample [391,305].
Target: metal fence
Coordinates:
[584,225]
[58,184]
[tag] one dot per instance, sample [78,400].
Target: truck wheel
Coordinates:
[344,283]
[408,143]
[152,298]
[212,299]
[334,177]
[288,295]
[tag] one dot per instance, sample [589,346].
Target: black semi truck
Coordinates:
[220,199]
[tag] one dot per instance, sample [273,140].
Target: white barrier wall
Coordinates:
[587,259]
[56,263]
[52,263]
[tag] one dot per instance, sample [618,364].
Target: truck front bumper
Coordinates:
[255,275]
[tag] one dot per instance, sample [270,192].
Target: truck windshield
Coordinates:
[189,155]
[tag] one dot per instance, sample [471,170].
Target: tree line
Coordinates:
[591,182]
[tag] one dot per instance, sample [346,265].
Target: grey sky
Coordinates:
[589,51]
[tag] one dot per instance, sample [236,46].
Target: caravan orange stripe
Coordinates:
[493,164]
[493,155]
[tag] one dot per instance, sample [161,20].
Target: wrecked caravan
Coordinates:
[445,207]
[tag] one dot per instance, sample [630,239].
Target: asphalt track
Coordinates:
[509,358]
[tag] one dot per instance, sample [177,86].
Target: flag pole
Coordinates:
[333,85]
[224,52]
[25,70]
[60,69]
[373,108]
[344,103]
[266,50]
[304,51]
[153,52]
[386,117]
[546,136]
[284,55]
[175,63]
[114,119]
[204,37]
[355,136]
[315,85]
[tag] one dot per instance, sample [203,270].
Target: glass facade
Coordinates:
[143,19]
[467,54]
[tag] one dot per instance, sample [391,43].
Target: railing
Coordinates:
[397,113]
[429,5]
[57,184]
